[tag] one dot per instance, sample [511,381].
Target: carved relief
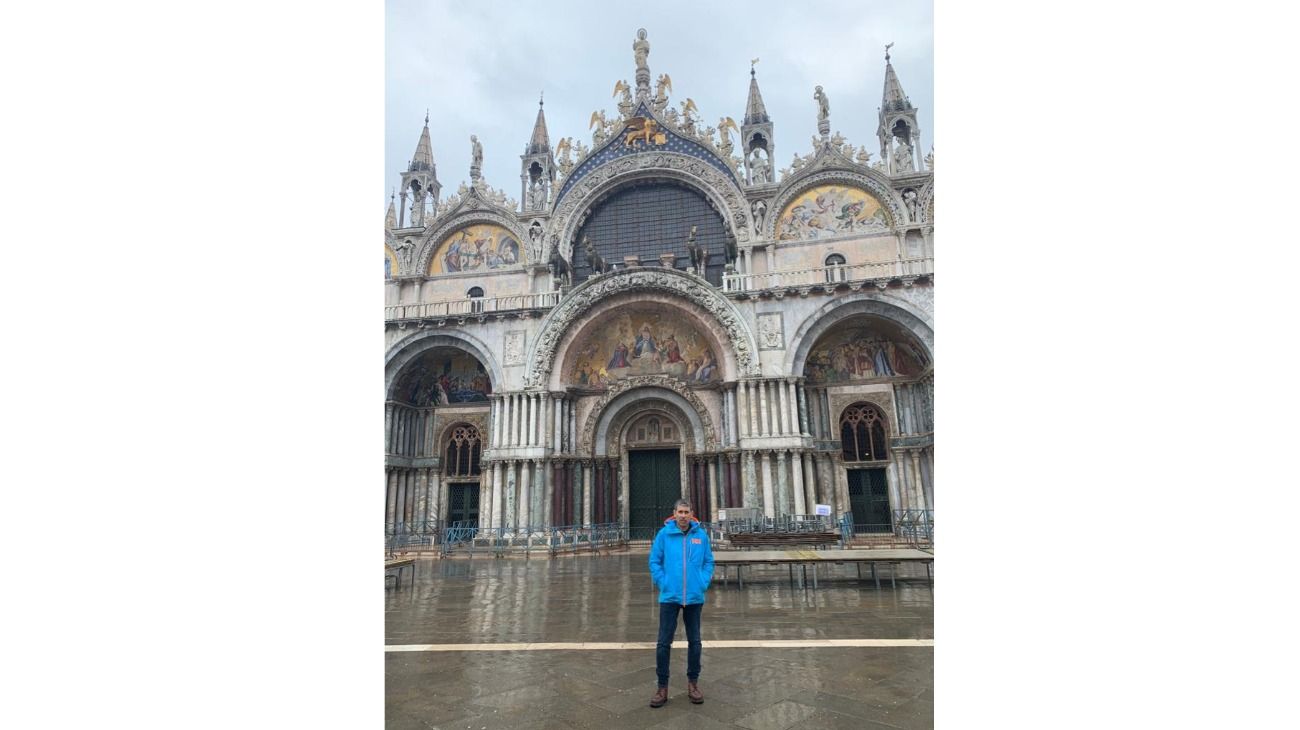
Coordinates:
[675,282]
[882,399]
[513,352]
[771,331]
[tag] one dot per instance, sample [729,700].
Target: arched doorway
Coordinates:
[865,453]
[461,471]
[654,446]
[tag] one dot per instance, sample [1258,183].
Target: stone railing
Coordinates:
[471,307]
[823,276]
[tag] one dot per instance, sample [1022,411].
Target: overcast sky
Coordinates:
[478,68]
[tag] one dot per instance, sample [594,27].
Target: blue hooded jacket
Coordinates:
[681,563]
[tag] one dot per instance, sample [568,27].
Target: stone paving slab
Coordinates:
[557,605]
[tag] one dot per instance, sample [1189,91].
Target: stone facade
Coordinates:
[823,309]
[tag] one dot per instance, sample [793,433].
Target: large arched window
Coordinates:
[862,433]
[648,219]
[462,454]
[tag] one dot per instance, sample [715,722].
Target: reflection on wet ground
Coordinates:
[610,599]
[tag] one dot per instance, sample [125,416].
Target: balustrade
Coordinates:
[829,275]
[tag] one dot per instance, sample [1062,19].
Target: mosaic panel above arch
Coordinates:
[641,340]
[444,376]
[831,210]
[477,247]
[864,349]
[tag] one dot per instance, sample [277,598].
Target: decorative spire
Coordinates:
[893,98]
[755,112]
[390,217]
[423,159]
[541,141]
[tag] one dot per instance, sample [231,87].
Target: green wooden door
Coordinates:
[462,504]
[869,501]
[655,483]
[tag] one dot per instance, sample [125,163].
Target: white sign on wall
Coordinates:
[823,510]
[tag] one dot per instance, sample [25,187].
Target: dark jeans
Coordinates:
[667,628]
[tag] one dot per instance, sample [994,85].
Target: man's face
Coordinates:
[683,516]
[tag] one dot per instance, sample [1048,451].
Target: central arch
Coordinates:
[739,355]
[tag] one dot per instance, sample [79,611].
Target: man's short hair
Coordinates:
[682,503]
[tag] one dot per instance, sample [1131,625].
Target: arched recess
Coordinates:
[871,181]
[411,348]
[836,311]
[652,166]
[619,435]
[555,333]
[594,438]
[470,216]
[591,343]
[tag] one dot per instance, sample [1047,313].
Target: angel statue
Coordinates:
[625,104]
[562,155]
[598,125]
[688,116]
[726,125]
[661,97]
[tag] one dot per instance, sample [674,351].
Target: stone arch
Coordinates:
[837,310]
[616,436]
[594,437]
[871,181]
[676,284]
[653,166]
[445,227]
[404,352]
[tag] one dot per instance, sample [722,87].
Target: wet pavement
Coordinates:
[609,598]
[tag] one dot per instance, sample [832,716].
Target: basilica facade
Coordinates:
[664,313]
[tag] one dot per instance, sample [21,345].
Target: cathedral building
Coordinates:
[665,312]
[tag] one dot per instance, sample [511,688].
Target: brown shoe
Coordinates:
[661,697]
[693,691]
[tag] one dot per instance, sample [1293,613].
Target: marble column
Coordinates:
[809,481]
[508,425]
[783,503]
[826,484]
[897,493]
[390,509]
[764,429]
[541,492]
[388,428]
[796,471]
[782,422]
[421,495]
[498,494]
[742,407]
[584,469]
[751,493]
[841,482]
[801,394]
[494,412]
[765,475]
[714,468]
[915,455]
[573,427]
[434,512]
[525,493]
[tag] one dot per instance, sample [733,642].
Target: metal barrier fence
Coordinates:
[913,527]
[469,538]
[782,524]
[408,536]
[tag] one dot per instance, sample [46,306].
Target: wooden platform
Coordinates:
[399,564]
[811,558]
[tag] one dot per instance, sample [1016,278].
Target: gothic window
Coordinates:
[862,433]
[835,268]
[462,455]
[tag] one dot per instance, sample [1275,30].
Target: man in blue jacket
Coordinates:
[681,564]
